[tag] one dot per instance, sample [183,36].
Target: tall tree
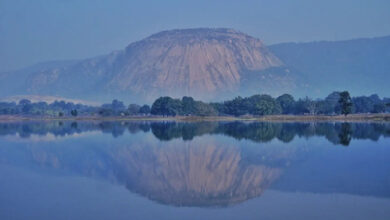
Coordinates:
[204,109]
[310,105]
[236,107]
[167,106]
[287,103]
[133,109]
[345,102]
[379,108]
[263,105]
[331,104]
[145,109]
[188,104]
[74,112]
[117,105]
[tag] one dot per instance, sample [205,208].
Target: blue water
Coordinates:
[206,170]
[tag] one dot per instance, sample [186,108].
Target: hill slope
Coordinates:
[211,64]
[203,63]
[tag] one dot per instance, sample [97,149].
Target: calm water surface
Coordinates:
[207,170]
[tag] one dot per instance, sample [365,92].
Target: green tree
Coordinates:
[287,103]
[310,105]
[363,104]
[25,106]
[237,106]
[331,104]
[145,109]
[220,108]
[117,105]
[133,109]
[167,106]
[300,107]
[115,108]
[188,105]
[379,108]
[263,105]
[345,102]
[204,109]
[74,112]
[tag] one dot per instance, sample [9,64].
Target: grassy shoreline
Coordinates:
[270,118]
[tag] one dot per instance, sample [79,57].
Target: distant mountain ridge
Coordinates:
[361,66]
[211,64]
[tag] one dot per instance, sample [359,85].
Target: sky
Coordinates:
[33,31]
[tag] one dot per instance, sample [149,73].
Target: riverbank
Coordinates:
[271,118]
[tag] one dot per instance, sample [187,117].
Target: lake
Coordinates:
[197,170]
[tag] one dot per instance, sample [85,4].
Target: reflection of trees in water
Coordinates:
[370,131]
[345,134]
[259,132]
[286,133]
[200,172]
[187,131]
[63,128]
[337,133]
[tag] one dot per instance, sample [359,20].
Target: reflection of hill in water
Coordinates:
[203,171]
[192,175]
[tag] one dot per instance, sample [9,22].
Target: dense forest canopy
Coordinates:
[257,105]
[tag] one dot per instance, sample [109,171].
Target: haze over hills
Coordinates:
[210,64]
[361,66]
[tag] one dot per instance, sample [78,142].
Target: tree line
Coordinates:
[63,109]
[257,105]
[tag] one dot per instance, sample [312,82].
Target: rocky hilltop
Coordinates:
[191,61]
[203,63]
[210,64]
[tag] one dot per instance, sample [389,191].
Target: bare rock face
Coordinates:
[191,61]
[203,63]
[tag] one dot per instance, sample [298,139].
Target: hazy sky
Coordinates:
[39,30]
